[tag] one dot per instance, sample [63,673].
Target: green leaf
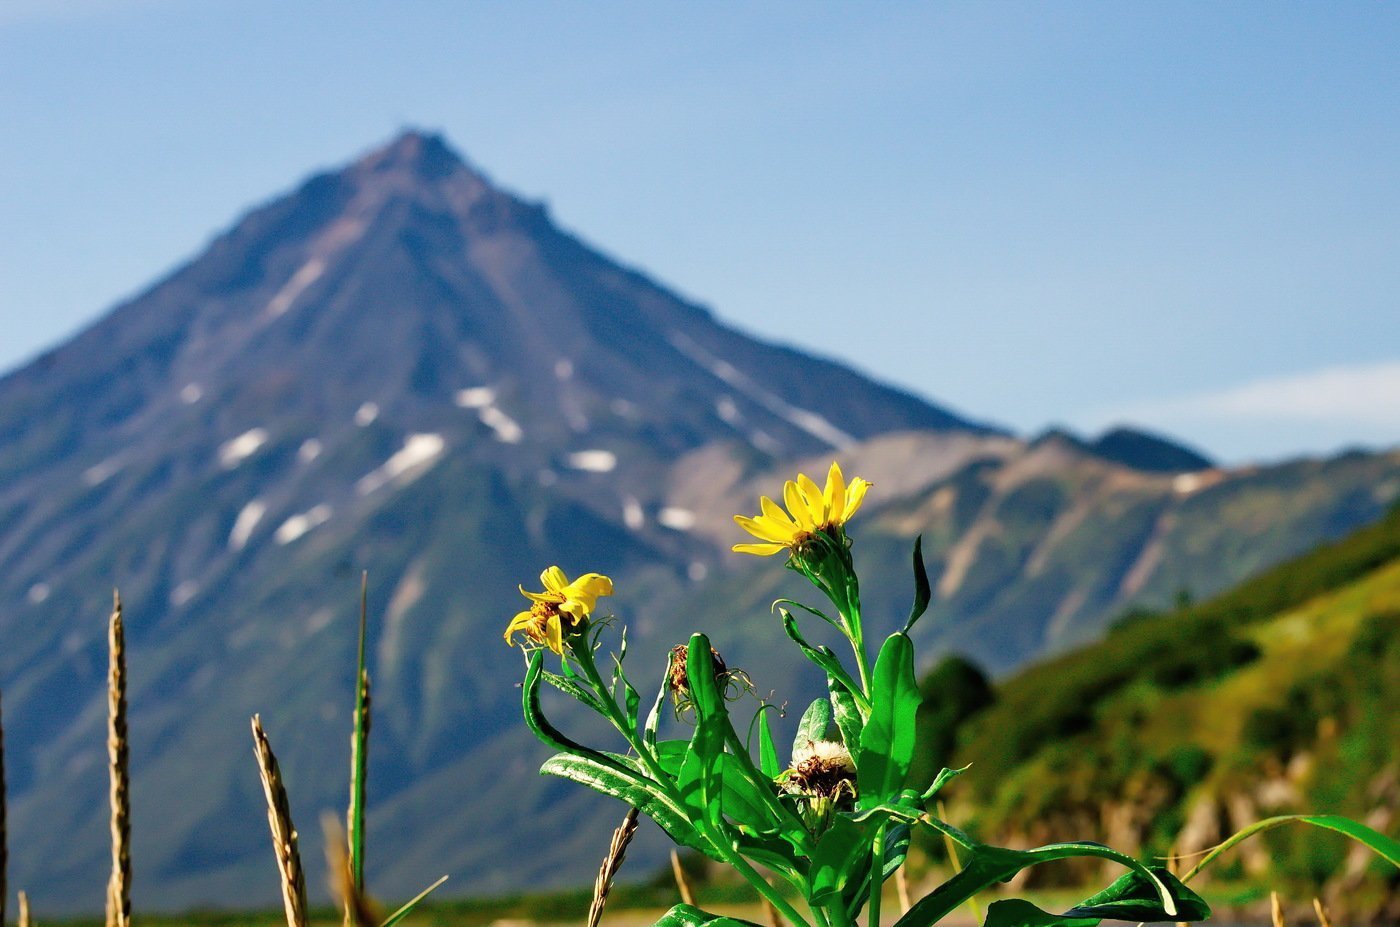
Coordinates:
[631,788]
[922,593]
[813,726]
[987,865]
[684,915]
[1134,897]
[887,740]
[700,779]
[654,716]
[940,780]
[1017,913]
[823,657]
[844,708]
[571,689]
[1385,847]
[767,750]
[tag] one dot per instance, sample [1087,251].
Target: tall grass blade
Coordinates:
[617,849]
[359,744]
[24,918]
[1384,847]
[412,903]
[1323,918]
[284,835]
[118,757]
[1276,911]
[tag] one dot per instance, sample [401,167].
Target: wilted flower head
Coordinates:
[560,610]
[731,683]
[822,769]
[823,778]
[810,509]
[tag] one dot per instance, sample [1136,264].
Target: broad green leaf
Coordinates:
[822,657]
[987,865]
[1135,898]
[845,709]
[767,750]
[922,593]
[631,789]
[1385,847]
[813,726]
[684,915]
[887,740]
[1017,913]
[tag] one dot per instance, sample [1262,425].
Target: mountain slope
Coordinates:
[399,367]
[1182,727]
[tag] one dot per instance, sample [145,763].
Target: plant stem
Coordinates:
[877,874]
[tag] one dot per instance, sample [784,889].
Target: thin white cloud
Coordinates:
[1365,395]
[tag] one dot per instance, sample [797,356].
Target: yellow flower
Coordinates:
[809,509]
[561,609]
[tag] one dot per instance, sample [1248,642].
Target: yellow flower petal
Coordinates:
[855,495]
[835,495]
[518,623]
[554,580]
[762,550]
[774,512]
[554,634]
[589,587]
[812,494]
[792,496]
[765,529]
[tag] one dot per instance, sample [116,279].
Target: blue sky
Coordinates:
[1183,215]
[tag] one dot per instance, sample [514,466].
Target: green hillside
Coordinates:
[1179,728]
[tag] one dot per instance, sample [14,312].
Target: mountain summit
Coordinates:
[399,367]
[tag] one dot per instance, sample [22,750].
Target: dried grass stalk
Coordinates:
[682,883]
[284,835]
[774,919]
[617,849]
[24,919]
[360,911]
[901,884]
[1323,918]
[1276,910]
[119,886]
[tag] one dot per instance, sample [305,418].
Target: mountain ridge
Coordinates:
[412,372]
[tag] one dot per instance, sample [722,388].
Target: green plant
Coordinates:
[834,824]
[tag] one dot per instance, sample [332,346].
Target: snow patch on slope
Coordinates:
[235,451]
[245,523]
[297,525]
[418,453]
[805,419]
